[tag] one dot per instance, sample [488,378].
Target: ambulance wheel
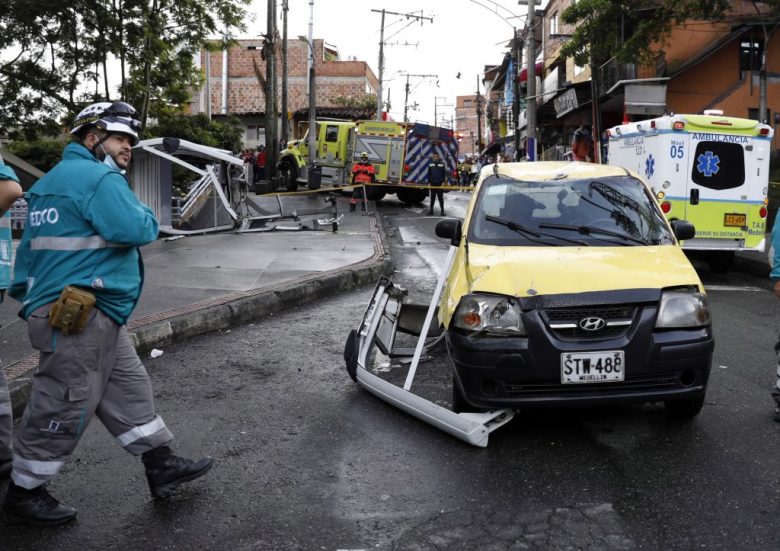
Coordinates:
[684,409]
[411,196]
[720,261]
[288,175]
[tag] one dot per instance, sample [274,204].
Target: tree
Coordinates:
[199,129]
[626,29]
[366,101]
[54,52]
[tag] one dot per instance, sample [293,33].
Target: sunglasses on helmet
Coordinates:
[120,109]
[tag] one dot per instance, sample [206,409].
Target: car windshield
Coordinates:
[608,211]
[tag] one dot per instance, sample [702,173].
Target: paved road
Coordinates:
[306,459]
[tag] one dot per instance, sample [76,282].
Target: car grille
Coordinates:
[567,323]
[656,381]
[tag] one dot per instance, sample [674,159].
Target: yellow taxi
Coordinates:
[568,287]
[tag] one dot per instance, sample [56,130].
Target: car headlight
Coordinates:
[683,308]
[492,314]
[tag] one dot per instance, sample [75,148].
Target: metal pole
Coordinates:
[285,119]
[381,67]
[271,122]
[596,115]
[515,93]
[312,96]
[406,99]
[479,120]
[531,72]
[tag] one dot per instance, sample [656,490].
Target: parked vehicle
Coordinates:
[708,169]
[566,286]
[400,153]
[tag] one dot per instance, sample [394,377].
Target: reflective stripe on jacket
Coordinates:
[84,228]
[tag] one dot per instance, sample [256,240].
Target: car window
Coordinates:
[616,204]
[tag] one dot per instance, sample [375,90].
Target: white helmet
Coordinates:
[111,117]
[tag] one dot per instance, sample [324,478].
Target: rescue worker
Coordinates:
[80,248]
[362,173]
[437,175]
[10,191]
[774,275]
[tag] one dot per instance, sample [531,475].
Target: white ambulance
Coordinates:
[710,170]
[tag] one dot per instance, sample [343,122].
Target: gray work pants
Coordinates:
[6,418]
[95,372]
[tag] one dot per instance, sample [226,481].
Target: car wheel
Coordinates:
[684,409]
[374,193]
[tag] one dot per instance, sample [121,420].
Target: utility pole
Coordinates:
[530,149]
[272,143]
[479,119]
[312,146]
[516,57]
[414,16]
[406,97]
[285,120]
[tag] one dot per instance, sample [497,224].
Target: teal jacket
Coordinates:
[774,249]
[84,228]
[6,173]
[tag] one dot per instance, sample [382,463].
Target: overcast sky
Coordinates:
[465,35]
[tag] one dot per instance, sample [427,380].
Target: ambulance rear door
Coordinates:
[718,190]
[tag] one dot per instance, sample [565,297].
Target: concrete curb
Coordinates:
[231,310]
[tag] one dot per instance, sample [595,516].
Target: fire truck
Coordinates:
[400,153]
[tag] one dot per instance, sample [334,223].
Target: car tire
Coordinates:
[720,262]
[684,409]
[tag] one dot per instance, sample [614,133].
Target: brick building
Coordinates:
[466,123]
[239,90]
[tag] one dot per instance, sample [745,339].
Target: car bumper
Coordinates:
[526,371]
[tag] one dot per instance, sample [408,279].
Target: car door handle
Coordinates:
[694,196]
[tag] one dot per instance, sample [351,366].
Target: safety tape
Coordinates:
[350,187]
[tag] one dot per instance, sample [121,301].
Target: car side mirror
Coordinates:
[683,229]
[450,228]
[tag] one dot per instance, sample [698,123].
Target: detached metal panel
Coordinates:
[151,180]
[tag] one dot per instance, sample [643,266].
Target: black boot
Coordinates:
[165,471]
[35,507]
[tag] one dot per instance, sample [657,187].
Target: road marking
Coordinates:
[733,288]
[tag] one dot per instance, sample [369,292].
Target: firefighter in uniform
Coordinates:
[80,251]
[437,175]
[10,191]
[362,173]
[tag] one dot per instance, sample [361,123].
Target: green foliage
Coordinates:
[366,101]
[199,129]
[625,29]
[60,52]
[42,153]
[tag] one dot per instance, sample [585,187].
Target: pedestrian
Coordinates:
[774,262]
[10,191]
[582,144]
[465,173]
[80,247]
[260,160]
[437,174]
[363,172]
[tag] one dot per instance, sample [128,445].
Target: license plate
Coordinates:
[734,220]
[592,367]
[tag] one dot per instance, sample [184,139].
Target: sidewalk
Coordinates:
[204,283]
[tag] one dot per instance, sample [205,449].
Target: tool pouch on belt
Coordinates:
[71,311]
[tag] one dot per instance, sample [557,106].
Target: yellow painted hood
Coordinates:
[533,271]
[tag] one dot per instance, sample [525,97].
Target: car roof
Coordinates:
[554,170]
